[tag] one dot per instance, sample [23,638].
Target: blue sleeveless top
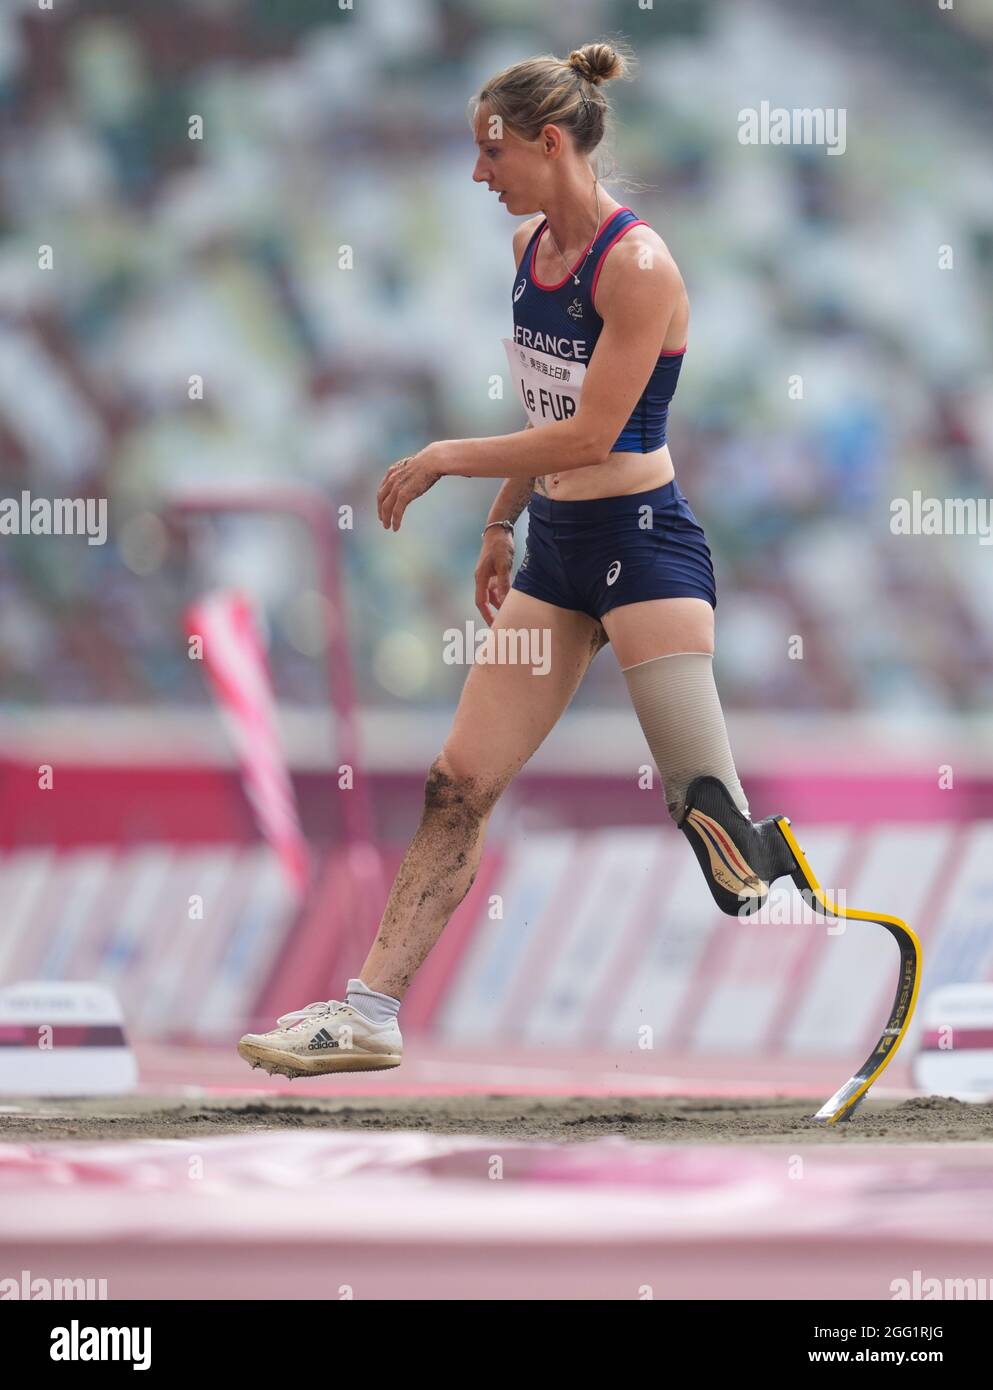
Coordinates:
[560,319]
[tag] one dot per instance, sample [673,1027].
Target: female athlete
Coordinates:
[614,553]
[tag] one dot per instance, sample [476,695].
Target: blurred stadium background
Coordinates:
[328,128]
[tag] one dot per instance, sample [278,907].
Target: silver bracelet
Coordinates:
[507,526]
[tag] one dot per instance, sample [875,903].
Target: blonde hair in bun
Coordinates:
[547,90]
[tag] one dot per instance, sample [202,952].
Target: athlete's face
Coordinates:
[514,169]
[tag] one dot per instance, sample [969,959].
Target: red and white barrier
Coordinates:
[236,666]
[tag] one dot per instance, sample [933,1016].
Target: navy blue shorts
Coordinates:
[602,553]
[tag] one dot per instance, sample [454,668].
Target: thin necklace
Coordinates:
[575,276]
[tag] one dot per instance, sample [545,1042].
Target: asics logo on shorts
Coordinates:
[613,572]
[520,290]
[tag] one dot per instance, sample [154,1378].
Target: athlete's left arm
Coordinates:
[637,293]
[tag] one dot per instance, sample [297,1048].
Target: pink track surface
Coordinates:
[316,1214]
[408,1215]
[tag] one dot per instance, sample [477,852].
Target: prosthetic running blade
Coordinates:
[844,1102]
[741,859]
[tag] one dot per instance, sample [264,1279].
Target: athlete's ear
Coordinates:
[551,140]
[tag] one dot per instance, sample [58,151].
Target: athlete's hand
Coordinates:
[408,478]
[496,563]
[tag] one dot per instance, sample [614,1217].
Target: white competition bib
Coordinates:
[548,387]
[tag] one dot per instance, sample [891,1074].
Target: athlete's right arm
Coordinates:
[496,558]
[513,496]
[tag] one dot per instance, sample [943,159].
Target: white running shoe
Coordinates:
[324,1037]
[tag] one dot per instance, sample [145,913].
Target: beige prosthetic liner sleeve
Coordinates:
[676,701]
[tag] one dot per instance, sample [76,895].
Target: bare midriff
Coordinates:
[619,475]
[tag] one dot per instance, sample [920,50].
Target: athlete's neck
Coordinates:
[572,217]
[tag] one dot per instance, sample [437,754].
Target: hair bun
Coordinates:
[597,62]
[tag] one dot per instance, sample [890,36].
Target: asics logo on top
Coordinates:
[321,1040]
[613,572]
[520,290]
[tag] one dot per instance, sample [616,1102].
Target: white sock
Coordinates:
[378,1008]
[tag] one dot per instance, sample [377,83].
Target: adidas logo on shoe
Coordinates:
[321,1040]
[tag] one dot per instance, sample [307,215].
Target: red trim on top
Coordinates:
[598,233]
[676,352]
[599,264]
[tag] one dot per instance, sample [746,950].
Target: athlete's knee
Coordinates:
[463,794]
